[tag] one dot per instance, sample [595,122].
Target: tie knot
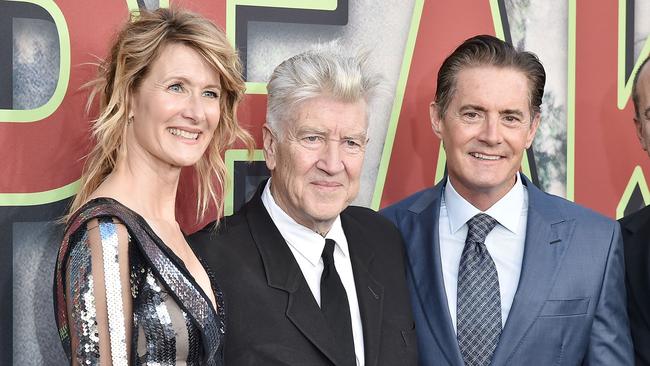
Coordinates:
[479,227]
[328,251]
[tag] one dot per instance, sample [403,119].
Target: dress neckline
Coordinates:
[161,244]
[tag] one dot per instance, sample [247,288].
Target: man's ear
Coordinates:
[270,146]
[534,124]
[436,121]
[639,133]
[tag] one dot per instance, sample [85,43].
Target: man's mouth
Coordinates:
[327,184]
[485,156]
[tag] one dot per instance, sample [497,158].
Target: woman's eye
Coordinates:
[210,94]
[176,87]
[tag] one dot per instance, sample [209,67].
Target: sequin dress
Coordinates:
[173,321]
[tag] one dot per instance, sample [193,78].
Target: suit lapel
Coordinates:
[426,270]
[637,254]
[547,237]
[370,293]
[304,313]
[283,273]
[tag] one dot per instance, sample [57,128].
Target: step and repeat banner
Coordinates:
[586,149]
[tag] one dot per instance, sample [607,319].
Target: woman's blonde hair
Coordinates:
[137,45]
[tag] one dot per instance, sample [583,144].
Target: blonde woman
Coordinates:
[128,288]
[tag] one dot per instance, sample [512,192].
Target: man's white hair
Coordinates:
[325,70]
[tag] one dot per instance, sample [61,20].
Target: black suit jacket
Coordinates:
[636,238]
[272,317]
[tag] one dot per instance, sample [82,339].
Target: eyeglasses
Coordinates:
[318,142]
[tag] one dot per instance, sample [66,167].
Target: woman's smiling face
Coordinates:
[175,109]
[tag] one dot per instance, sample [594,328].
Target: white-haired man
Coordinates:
[308,279]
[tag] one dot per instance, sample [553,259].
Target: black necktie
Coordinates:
[479,302]
[334,305]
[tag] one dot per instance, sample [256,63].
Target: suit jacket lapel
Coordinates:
[547,237]
[370,293]
[283,272]
[637,254]
[426,270]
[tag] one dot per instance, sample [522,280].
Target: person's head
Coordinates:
[168,90]
[641,100]
[486,112]
[316,132]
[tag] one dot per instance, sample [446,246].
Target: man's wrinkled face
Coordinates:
[315,159]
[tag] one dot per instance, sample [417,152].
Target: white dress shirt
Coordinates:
[307,247]
[505,242]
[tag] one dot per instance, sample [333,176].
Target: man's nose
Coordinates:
[491,131]
[331,157]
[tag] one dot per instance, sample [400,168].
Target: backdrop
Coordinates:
[586,149]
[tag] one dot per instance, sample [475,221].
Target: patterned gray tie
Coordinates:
[479,302]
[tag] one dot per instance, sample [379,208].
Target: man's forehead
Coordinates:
[484,85]
[314,127]
[308,117]
[478,72]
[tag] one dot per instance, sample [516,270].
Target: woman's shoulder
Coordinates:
[101,209]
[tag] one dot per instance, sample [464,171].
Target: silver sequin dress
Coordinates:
[174,322]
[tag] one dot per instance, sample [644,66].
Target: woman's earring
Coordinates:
[130,120]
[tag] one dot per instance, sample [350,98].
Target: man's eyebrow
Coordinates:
[315,130]
[473,107]
[356,136]
[516,112]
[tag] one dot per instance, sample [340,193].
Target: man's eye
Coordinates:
[471,115]
[312,139]
[352,143]
[311,142]
[352,146]
[511,119]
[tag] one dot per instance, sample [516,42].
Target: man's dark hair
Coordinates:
[485,50]
[635,91]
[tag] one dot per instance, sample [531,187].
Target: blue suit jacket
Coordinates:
[569,308]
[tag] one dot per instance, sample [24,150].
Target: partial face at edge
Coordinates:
[314,168]
[486,130]
[642,122]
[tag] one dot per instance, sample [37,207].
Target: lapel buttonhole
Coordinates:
[374,294]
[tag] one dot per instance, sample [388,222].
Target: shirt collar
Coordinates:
[304,240]
[337,234]
[460,211]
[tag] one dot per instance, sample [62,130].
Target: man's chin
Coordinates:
[325,213]
[492,186]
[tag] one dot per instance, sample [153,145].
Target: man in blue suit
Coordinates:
[501,273]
